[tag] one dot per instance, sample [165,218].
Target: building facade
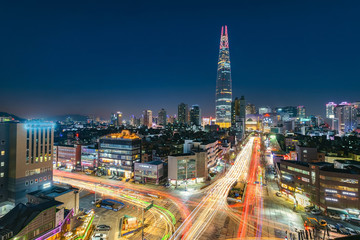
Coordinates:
[26,158]
[330,110]
[149,172]
[68,157]
[162,117]
[347,117]
[147,118]
[323,184]
[223,83]
[183,113]
[187,168]
[118,152]
[89,157]
[301,113]
[195,115]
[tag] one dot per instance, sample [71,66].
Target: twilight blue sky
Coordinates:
[97,57]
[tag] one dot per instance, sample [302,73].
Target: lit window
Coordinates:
[2,174]
[2,153]
[2,164]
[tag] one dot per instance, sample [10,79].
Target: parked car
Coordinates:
[316,211]
[103,227]
[344,231]
[127,179]
[332,228]
[98,236]
[95,201]
[119,178]
[351,231]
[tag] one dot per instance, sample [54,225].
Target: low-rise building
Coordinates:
[118,152]
[35,221]
[89,157]
[187,168]
[69,197]
[329,186]
[149,172]
[68,156]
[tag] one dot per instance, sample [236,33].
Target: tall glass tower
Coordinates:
[223,83]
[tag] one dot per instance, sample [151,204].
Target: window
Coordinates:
[26,183]
[2,164]
[31,182]
[2,153]
[36,180]
[2,174]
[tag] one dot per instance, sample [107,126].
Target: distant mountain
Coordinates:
[74,117]
[16,118]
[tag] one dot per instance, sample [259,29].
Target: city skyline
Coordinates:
[80,64]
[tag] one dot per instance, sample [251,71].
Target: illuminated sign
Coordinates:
[331,199]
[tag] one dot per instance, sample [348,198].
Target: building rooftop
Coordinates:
[156,162]
[125,134]
[20,216]
[52,192]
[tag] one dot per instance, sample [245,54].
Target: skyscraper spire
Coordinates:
[223,83]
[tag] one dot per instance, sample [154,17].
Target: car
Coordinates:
[278,194]
[103,227]
[334,216]
[127,179]
[309,208]
[98,236]
[316,211]
[323,223]
[351,231]
[96,200]
[331,228]
[344,231]
[119,178]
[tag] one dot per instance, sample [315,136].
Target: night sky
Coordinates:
[97,58]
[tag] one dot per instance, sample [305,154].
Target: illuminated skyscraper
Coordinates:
[330,110]
[223,83]
[147,118]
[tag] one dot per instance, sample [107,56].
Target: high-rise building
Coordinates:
[223,83]
[133,121]
[26,159]
[287,112]
[264,110]
[347,117]
[301,112]
[183,113]
[250,109]
[330,107]
[195,115]
[162,118]
[118,120]
[118,152]
[238,117]
[147,118]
